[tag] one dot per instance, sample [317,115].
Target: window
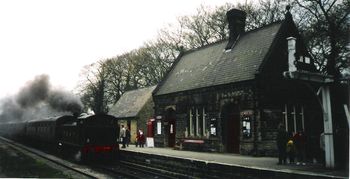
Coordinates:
[294,117]
[213,125]
[246,126]
[307,60]
[159,127]
[197,122]
[204,126]
[198,129]
[191,124]
[171,128]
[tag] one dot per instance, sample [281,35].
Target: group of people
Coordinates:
[124,137]
[291,147]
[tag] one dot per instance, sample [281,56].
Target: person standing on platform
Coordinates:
[127,136]
[140,138]
[291,150]
[282,139]
[300,144]
[122,135]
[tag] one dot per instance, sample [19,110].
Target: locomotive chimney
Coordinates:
[236,23]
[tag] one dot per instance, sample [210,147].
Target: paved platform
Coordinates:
[258,163]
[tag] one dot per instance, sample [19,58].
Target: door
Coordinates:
[171,127]
[231,128]
[172,133]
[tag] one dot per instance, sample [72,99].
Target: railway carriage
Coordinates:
[46,130]
[92,136]
[13,129]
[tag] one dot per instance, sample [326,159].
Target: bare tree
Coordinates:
[206,26]
[94,89]
[326,33]
[322,23]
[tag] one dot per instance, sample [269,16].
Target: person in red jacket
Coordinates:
[300,144]
[140,138]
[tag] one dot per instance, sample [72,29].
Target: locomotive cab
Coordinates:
[92,136]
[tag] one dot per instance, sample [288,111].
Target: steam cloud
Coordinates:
[38,99]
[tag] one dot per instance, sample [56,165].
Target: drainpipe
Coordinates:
[256,97]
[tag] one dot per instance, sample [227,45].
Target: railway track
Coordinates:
[140,172]
[121,169]
[160,173]
[83,171]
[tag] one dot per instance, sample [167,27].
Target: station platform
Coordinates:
[266,164]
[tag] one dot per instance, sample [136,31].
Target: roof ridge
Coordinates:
[222,40]
[264,26]
[140,88]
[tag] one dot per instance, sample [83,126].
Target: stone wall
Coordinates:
[213,100]
[147,112]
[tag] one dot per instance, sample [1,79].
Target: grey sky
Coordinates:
[59,37]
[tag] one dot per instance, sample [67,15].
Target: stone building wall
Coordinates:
[213,100]
[147,112]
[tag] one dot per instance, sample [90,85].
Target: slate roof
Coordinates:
[211,65]
[131,102]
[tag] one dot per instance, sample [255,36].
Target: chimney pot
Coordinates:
[236,23]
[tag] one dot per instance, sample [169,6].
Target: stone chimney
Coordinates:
[236,23]
[291,53]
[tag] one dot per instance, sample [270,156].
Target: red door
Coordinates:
[150,128]
[233,133]
[231,128]
[170,118]
[171,132]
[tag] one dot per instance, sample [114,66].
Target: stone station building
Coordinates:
[134,109]
[230,96]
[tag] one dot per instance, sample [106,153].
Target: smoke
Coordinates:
[35,92]
[64,101]
[37,99]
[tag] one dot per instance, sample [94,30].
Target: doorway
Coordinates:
[170,127]
[231,128]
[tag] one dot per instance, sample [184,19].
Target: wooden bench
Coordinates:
[192,144]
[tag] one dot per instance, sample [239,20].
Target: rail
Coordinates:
[20,147]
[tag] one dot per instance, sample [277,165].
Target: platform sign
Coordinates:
[150,142]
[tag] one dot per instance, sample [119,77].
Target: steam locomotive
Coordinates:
[91,136]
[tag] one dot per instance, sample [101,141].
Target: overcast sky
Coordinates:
[59,37]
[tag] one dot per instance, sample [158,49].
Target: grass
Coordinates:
[16,164]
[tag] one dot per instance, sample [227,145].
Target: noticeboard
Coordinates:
[150,142]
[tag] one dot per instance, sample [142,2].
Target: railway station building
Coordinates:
[134,109]
[231,96]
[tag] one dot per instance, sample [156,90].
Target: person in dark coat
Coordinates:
[127,136]
[122,135]
[282,139]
